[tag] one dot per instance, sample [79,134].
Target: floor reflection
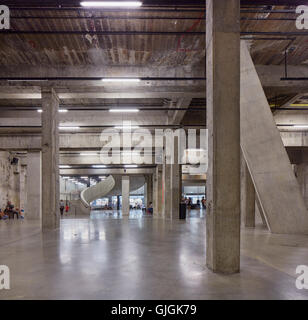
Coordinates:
[138,214]
[115,214]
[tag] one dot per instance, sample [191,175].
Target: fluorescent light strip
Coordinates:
[98,166]
[88,154]
[121,80]
[64,167]
[131,166]
[301,126]
[60,110]
[110,4]
[124,110]
[127,127]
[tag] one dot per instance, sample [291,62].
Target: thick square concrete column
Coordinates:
[176,190]
[167,199]
[223,116]
[125,195]
[158,191]
[149,190]
[248,197]
[172,190]
[50,160]
[23,187]
[33,202]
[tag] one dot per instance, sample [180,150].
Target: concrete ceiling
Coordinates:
[93,54]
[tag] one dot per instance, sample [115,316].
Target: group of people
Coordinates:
[10,212]
[190,205]
[64,206]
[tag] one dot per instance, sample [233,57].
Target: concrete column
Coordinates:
[33,202]
[167,189]
[50,160]
[223,117]
[248,197]
[118,203]
[149,190]
[158,196]
[110,201]
[125,195]
[23,187]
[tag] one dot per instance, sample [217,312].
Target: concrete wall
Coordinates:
[9,181]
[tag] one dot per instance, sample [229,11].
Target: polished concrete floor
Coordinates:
[106,257]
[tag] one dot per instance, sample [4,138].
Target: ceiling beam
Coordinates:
[163,3]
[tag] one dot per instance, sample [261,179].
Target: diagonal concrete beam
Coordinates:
[178,115]
[266,157]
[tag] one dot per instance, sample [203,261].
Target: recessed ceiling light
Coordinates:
[124,110]
[301,126]
[121,80]
[126,127]
[60,110]
[111,4]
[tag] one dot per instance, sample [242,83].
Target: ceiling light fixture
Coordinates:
[124,110]
[301,126]
[98,166]
[126,127]
[64,166]
[60,110]
[131,166]
[121,80]
[110,4]
[88,154]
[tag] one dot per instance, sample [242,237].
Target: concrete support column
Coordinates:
[23,187]
[158,196]
[248,197]
[50,160]
[167,199]
[223,116]
[110,201]
[118,203]
[149,190]
[125,195]
[33,202]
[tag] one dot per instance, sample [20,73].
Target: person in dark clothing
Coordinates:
[9,211]
[62,207]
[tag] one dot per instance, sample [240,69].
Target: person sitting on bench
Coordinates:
[9,210]
[3,216]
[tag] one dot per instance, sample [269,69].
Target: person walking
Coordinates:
[62,207]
